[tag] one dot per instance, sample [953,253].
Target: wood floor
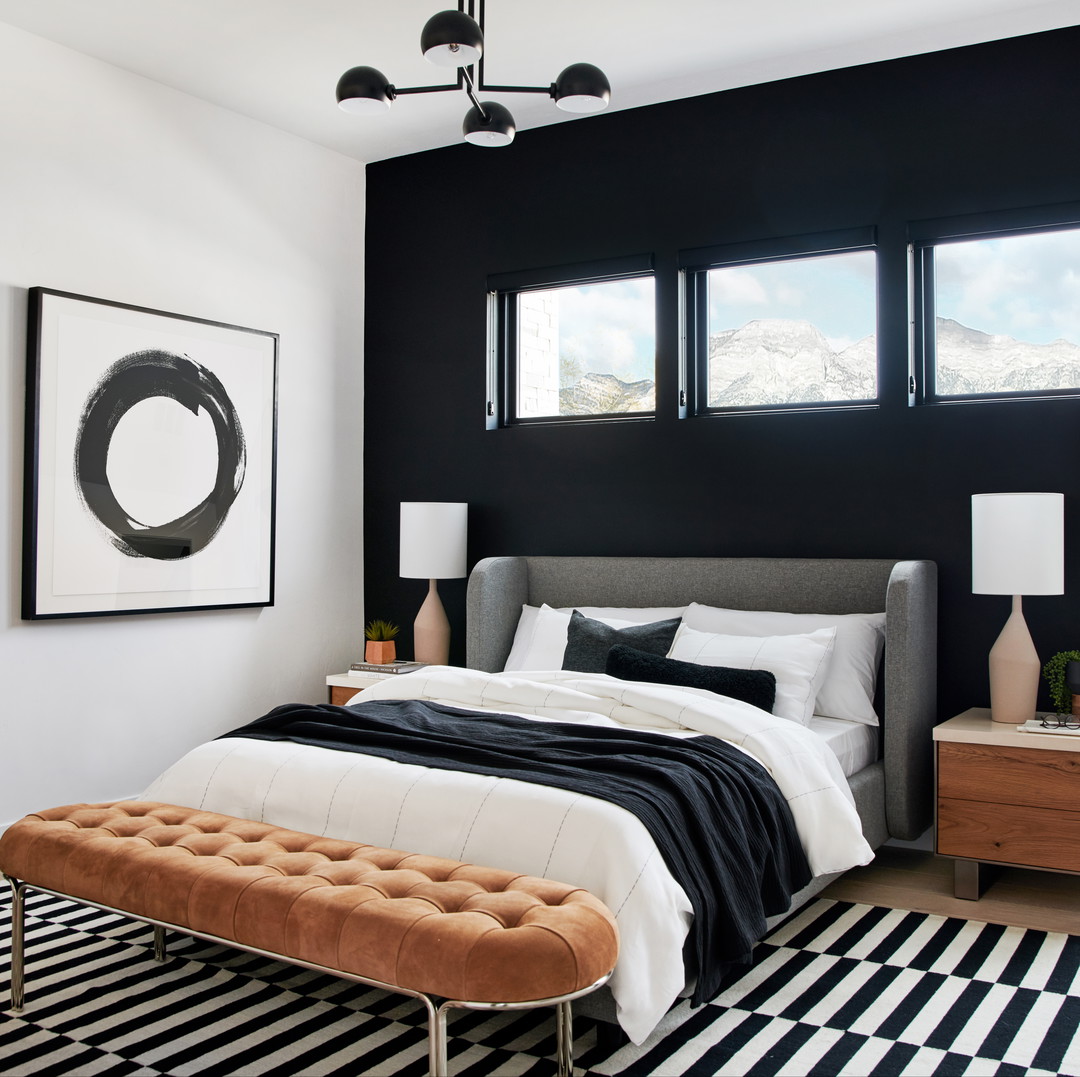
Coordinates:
[922,882]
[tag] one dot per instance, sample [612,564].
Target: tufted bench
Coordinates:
[423,926]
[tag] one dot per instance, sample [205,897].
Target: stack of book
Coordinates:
[362,668]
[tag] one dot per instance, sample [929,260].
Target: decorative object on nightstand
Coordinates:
[433,543]
[1017,548]
[387,669]
[1072,682]
[1062,674]
[379,647]
[1059,725]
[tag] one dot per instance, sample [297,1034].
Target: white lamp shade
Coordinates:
[1018,544]
[433,540]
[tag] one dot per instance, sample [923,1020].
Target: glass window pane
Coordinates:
[1008,314]
[587,349]
[799,331]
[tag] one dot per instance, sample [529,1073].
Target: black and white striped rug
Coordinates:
[839,989]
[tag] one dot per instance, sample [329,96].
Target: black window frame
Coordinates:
[694,266]
[503,290]
[923,238]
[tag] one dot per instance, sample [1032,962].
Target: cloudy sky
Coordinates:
[1027,287]
[610,328]
[835,292]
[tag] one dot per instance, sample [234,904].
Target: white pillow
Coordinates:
[848,691]
[799,663]
[540,639]
[634,615]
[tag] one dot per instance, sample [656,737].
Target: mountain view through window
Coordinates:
[1008,314]
[797,331]
[587,349]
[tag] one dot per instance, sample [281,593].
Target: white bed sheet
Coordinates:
[855,745]
[537,830]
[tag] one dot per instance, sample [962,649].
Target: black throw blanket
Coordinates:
[717,817]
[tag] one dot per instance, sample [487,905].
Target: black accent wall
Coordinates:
[974,130]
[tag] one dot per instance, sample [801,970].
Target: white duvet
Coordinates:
[534,829]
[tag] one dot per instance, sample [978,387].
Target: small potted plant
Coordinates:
[379,648]
[1064,683]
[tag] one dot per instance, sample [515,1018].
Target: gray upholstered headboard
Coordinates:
[905,590]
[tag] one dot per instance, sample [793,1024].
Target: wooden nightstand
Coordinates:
[1005,797]
[341,687]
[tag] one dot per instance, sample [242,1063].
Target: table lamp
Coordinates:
[433,539]
[1017,548]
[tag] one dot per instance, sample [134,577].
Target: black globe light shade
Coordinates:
[451,39]
[581,88]
[497,130]
[364,91]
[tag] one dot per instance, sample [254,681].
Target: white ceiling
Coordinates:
[279,60]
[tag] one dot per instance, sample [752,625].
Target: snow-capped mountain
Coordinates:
[970,361]
[778,361]
[602,394]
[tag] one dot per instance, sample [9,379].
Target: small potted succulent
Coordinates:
[1062,673]
[379,648]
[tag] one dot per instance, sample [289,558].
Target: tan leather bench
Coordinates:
[427,927]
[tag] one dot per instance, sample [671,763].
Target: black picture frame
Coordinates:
[151,461]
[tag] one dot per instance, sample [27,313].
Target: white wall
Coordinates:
[115,187]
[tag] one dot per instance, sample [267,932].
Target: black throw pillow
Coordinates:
[588,641]
[756,686]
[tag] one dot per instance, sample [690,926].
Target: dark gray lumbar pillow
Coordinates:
[588,641]
[756,686]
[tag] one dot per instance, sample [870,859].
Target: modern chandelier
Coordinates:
[456,39]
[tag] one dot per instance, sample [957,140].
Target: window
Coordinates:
[997,314]
[786,324]
[573,344]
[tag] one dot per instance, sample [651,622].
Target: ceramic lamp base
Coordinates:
[431,630]
[1014,671]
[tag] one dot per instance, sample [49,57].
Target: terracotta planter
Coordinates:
[379,652]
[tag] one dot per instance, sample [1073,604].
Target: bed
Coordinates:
[842,809]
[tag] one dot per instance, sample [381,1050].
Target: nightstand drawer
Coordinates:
[1009,834]
[341,687]
[997,774]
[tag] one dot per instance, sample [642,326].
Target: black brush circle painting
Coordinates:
[127,382]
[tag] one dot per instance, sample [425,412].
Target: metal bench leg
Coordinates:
[159,943]
[436,1039]
[564,1034]
[18,927]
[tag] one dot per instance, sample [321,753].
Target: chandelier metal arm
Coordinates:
[472,94]
[398,90]
[484,87]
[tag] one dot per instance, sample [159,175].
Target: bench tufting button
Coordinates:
[297,863]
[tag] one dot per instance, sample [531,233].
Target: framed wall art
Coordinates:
[150,461]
